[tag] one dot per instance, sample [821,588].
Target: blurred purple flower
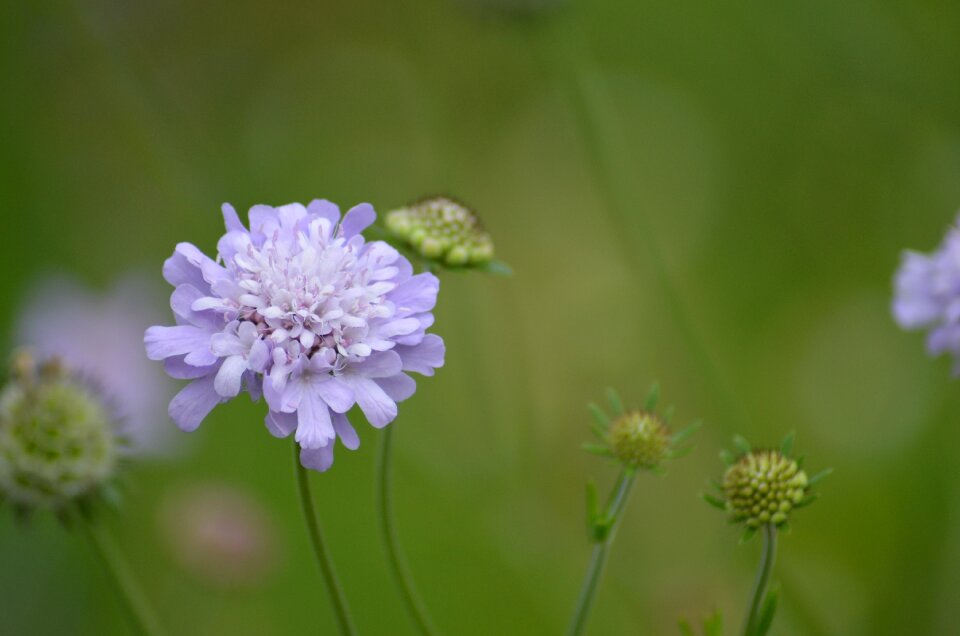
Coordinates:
[98,335]
[927,295]
[220,534]
[305,312]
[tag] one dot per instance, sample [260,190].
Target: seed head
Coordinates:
[763,486]
[640,439]
[441,229]
[57,437]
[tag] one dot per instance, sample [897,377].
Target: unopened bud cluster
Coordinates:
[444,230]
[762,487]
[57,440]
[640,439]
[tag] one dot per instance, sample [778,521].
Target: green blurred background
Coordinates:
[727,221]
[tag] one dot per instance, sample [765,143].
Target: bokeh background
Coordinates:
[714,195]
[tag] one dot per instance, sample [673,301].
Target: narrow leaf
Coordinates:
[747,535]
[767,611]
[596,449]
[685,629]
[741,444]
[727,457]
[687,432]
[713,501]
[599,416]
[653,396]
[786,446]
[819,477]
[713,624]
[615,403]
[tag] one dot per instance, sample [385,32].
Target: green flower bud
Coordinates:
[762,487]
[640,439]
[57,439]
[441,229]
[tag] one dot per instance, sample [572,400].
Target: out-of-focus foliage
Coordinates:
[775,157]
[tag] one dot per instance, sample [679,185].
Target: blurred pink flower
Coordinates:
[219,534]
[99,335]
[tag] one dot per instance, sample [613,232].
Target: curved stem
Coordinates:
[138,610]
[599,558]
[337,597]
[391,540]
[763,579]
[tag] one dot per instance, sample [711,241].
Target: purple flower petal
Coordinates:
[376,405]
[165,342]
[357,219]
[281,424]
[317,458]
[345,431]
[424,357]
[193,403]
[230,219]
[398,387]
[314,428]
[325,210]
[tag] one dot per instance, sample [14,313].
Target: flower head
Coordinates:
[927,295]
[301,309]
[441,229]
[637,438]
[763,486]
[58,441]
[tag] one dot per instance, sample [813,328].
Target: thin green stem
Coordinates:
[320,549]
[763,579]
[138,610]
[391,540]
[598,559]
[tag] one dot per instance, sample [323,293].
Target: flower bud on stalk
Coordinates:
[57,437]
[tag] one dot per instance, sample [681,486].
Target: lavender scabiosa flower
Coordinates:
[301,309]
[927,295]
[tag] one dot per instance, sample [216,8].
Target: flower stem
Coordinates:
[763,579]
[337,597]
[138,610]
[391,540]
[597,561]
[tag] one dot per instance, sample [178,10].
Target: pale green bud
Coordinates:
[57,437]
[762,487]
[640,439]
[441,229]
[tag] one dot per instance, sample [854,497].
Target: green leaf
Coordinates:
[747,535]
[653,396]
[685,629]
[615,403]
[687,432]
[806,501]
[819,477]
[767,610]
[713,501]
[497,268]
[600,418]
[678,452]
[713,624]
[786,446]
[741,444]
[596,449]
[727,457]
